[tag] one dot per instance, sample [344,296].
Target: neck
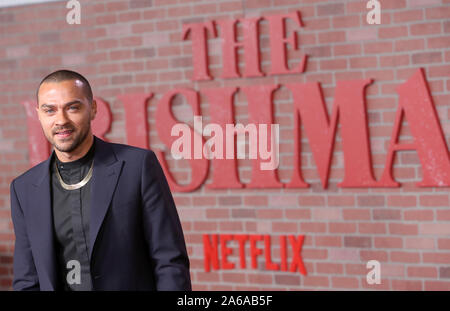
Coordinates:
[78,153]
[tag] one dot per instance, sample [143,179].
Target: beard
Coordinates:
[72,142]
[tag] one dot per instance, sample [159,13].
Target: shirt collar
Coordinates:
[83,161]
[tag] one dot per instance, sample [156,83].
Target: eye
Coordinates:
[48,111]
[74,108]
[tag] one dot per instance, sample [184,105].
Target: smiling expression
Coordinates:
[65,114]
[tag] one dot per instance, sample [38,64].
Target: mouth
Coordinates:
[64,134]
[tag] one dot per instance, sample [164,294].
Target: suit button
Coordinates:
[96,277]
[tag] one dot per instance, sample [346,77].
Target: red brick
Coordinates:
[447,27]
[409,257]
[348,21]
[426,58]
[386,214]
[438,42]
[392,32]
[444,243]
[372,228]
[409,45]
[397,270]
[444,272]
[283,200]
[394,61]
[378,47]
[368,255]
[317,24]
[304,200]
[269,213]
[218,213]
[403,229]
[344,282]
[298,213]
[368,33]
[332,37]
[315,227]
[246,213]
[231,226]
[347,49]
[318,51]
[140,4]
[422,272]
[342,228]
[332,241]
[408,16]
[205,226]
[398,4]
[230,200]
[442,12]
[363,62]
[327,214]
[388,242]
[260,279]
[442,215]
[357,241]
[329,268]
[341,200]
[401,201]
[419,243]
[420,215]
[425,29]
[284,279]
[439,258]
[370,201]
[437,286]
[314,254]
[426,3]
[230,6]
[330,9]
[234,277]
[316,281]
[334,64]
[255,200]
[356,214]
[355,269]
[434,200]
[407,285]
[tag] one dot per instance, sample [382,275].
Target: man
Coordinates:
[94,215]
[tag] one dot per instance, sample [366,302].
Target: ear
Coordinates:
[37,112]
[93,109]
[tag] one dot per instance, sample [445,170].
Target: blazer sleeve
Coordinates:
[163,230]
[25,275]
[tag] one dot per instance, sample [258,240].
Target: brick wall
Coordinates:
[136,46]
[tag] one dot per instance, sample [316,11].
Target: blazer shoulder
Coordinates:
[130,152]
[31,174]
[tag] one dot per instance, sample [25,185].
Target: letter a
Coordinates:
[74,275]
[374,15]
[74,15]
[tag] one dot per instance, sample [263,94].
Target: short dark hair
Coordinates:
[66,75]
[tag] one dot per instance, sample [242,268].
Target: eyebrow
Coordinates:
[65,105]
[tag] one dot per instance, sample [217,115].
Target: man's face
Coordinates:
[65,114]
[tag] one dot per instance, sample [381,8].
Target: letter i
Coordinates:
[283,253]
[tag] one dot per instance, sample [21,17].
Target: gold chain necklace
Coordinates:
[77,185]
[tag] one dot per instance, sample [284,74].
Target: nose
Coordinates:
[61,118]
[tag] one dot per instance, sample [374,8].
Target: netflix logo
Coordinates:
[217,248]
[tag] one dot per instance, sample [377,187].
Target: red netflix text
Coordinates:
[212,244]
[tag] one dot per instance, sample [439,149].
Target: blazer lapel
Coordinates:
[104,180]
[42,225]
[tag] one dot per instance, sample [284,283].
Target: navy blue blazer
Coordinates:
[135,239]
